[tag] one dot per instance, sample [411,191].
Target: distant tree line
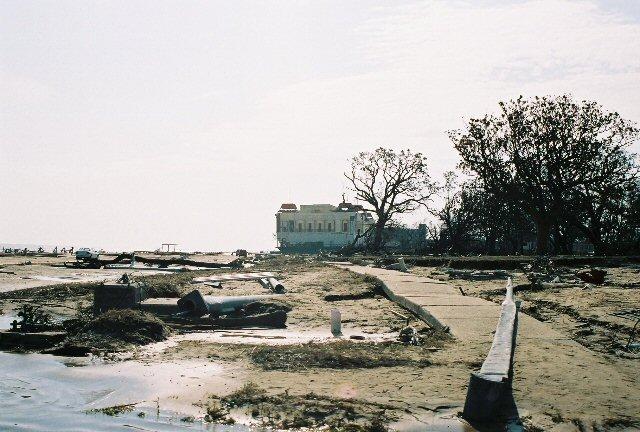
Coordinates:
[548,171]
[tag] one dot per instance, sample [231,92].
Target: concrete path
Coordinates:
[553,373]
[441,305]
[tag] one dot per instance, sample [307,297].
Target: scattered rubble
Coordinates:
[476,274]
[409,336]
[344,354]
[592,275]
[266,279]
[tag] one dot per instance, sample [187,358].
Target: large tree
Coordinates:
[598,206]
[474,220]
[458,214]
[390,183]
[544,153]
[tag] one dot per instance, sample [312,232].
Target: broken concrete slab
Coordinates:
[30,340]
[444,312]
[440,300]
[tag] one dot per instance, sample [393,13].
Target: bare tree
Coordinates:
[542,153]
[390,183]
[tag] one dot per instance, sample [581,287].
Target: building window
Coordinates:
[310,228]
[300,226]
[329,227]
[319,226]
[345,226]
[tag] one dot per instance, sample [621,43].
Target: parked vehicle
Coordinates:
[87,254]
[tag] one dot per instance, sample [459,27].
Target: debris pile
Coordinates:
[114,330]
[591,275]
[35,330]
[541,269]
[408,336]
[235,311]
[32,320]
[476,274]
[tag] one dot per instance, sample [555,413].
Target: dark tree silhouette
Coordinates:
[458,214]
[390,183]
[550,155]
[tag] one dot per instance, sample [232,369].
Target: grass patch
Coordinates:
[60,292]
[166,285]
[116,330]
[374,290]
[285,411]
[338,355]
[173,284]
[114,410]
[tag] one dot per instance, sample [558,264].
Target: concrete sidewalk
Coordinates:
[441,305]
[553,373]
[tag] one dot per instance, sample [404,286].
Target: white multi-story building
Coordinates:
[320,226]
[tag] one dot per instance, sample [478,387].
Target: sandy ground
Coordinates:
[414,391]
[307,284]
[583,311]
[602,386]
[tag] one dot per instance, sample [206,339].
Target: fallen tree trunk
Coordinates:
[165,262]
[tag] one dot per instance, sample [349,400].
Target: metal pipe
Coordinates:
[276,286]
[198,305]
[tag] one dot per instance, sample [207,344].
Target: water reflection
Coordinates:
[40,393]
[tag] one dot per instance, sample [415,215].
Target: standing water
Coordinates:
[40,392]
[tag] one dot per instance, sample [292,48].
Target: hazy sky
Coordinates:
[128,124]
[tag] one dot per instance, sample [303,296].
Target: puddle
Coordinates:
[41,393]
[266,337]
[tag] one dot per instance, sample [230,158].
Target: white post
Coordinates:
[336,323]
[133,260]
[508,298]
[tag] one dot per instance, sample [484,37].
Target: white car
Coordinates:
[87,254]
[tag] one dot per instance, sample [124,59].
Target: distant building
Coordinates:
[317,227]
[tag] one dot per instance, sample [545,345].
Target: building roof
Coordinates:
[320,208]
[288,207]
[348,207]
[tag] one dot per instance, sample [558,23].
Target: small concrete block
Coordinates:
[116,296]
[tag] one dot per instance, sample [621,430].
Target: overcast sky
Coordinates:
[128,124]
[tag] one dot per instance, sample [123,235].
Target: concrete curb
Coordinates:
[489,396]
[413,307]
